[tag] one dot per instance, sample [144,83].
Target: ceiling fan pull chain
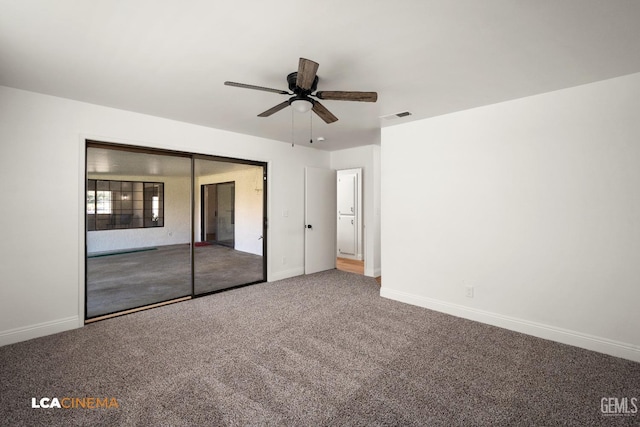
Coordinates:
[292,128]
[310,128]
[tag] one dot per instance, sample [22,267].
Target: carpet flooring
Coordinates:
[126,280]
[316,350]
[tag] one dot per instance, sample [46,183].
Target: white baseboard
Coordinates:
[280,275]
[372,272]
[564,336]
[38,330]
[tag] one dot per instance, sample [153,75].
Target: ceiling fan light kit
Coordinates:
[301,105]
[302,84]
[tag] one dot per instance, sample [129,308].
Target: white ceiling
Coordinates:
[169,58]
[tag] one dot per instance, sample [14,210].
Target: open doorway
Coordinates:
[349,254]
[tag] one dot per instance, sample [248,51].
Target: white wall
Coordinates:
[367,158]
[42,143]
[248,209]
[177,219]
[534,202]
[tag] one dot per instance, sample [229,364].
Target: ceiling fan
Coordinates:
[302,84]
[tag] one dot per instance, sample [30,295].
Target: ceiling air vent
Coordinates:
[396,115]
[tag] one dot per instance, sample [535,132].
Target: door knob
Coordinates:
[309,226]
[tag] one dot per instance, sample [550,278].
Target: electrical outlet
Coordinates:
[284,260]
[468,291]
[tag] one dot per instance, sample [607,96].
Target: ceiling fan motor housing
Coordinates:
[293,87]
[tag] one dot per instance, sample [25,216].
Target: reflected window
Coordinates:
[124,204]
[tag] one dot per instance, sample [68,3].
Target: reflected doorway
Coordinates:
[218,214]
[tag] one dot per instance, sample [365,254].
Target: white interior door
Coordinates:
[347,194]
[346,235]
[320,220]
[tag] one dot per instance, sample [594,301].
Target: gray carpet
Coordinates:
[131,279]
[323,349]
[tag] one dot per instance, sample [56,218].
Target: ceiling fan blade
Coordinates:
[348,96]
[266,89]
[275,109]
[306,73]
[323,113]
